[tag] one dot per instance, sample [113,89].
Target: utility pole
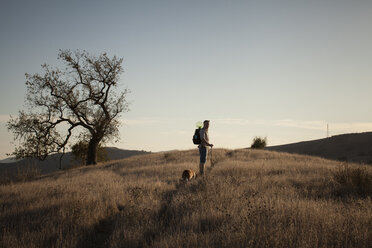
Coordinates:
[327,130]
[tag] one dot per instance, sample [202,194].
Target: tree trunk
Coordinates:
[92,152]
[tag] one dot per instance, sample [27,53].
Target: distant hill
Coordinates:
[8,160]
[51,163]
[354,147]
[117,153]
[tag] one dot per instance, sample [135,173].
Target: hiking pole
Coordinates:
[212,157]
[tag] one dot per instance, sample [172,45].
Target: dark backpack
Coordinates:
[196,138]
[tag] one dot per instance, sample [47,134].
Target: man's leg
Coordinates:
[203,159]
[201,168]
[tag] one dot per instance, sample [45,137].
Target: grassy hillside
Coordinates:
[249,198]
[353,147]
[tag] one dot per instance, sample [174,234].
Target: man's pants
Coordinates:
[203,151]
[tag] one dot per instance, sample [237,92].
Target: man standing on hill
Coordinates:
[203,146]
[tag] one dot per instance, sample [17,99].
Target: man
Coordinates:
[203,146]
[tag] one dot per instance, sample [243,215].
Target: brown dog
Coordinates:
[187,175]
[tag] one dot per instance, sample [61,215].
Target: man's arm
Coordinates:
[202,137]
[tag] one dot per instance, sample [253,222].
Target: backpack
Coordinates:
[196,138]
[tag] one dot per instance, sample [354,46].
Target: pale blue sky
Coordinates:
[281,69]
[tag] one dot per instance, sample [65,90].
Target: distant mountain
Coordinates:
[8,160]
[354,147]
[52,162]
[116,153]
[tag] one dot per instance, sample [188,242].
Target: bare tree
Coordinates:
[82,97]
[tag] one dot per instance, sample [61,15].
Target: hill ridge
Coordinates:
[351,147]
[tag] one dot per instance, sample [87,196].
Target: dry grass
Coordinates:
[354,180]
[249,198]
[20,174]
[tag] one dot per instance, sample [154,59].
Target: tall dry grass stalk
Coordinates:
[249,198]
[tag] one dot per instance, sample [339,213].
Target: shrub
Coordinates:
[354,180]
[80,150]
[259,143]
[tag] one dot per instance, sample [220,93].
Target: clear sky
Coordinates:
[281,69]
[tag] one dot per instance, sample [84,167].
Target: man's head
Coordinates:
[206,124]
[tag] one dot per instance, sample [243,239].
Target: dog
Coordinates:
[187,175]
